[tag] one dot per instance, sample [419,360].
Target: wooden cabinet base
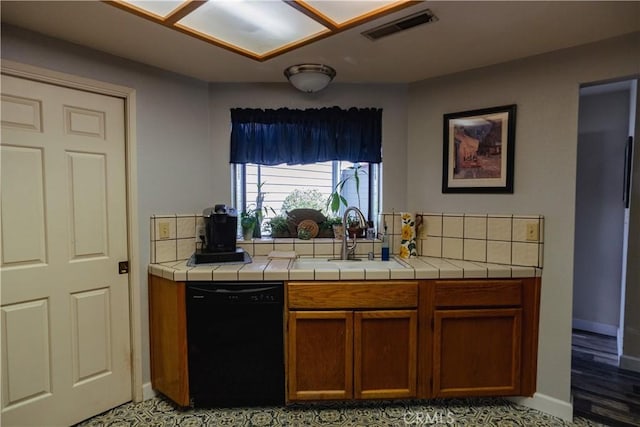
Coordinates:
[343,354]
[476,352]
[168,339]
[351,340]
[478,337]
[380,339]
[385,354]
[320,358]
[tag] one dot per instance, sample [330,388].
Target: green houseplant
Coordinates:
[279,227]
[248,222]
[332,227]
[257,230]
[337,200]
[259,211]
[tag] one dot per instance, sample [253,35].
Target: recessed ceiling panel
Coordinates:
[255,26]
[343,11]
[261,29]
[158,8]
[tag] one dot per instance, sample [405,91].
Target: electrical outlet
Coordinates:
[533,232]
[163,230]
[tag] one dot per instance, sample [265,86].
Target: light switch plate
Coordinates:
[533,232]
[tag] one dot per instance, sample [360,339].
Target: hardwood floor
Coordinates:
[601,391]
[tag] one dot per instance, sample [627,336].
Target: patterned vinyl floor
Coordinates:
[486,412]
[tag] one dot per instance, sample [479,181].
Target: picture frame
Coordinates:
[478,150]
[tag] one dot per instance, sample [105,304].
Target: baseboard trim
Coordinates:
[595,327]
[630,363]
[148,392]
[548,405]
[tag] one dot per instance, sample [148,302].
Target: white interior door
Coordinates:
[66,352]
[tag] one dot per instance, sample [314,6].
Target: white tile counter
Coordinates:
[263,268]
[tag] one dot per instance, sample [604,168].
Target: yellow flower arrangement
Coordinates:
[408,236]
[406,232]
[404,252]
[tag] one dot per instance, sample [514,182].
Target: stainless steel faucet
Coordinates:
[348,252]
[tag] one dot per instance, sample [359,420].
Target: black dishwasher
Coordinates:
[235,350]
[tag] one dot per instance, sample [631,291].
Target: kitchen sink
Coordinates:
[341,264]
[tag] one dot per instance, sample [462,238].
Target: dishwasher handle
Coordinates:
[235,291]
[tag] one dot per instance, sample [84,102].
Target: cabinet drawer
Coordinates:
[340,295]
[468,293]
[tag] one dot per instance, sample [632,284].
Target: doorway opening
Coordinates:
[606,129]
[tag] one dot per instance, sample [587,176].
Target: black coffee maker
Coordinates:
[221,226]
[221,223]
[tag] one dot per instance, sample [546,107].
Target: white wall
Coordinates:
[545,88]
[391,98]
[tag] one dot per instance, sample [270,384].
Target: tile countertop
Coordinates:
[263,268]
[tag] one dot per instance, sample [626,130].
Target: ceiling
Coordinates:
[466,35]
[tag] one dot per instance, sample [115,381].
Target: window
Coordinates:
[287,187]
[266,145]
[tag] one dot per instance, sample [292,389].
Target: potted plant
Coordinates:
[331,227]
[248,222]
[354,228]
[260,211]
[279,227]
[336,199]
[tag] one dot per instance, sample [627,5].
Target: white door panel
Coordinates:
[91,335]
[30,371]
[23,216]
[87,187]
[21,113]
[65,309]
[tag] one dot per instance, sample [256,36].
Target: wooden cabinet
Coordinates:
[385,354]
[320,355]
[380,339]
[168,339]
[364,348]
[476,352]
[484,337]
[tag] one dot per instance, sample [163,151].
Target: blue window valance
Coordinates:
[271,137]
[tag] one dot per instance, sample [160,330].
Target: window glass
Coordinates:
[284,188]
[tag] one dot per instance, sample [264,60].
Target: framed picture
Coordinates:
[478,150]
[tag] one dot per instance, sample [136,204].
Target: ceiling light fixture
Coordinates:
[310,77]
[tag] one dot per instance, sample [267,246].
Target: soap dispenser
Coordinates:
[385,245]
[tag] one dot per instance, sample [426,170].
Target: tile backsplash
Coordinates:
[492,238]
[180,241]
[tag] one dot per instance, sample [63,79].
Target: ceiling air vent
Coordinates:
[423,17]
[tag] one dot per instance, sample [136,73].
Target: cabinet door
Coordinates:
[477,352]
[168,339]
[385,343]
[320,357]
